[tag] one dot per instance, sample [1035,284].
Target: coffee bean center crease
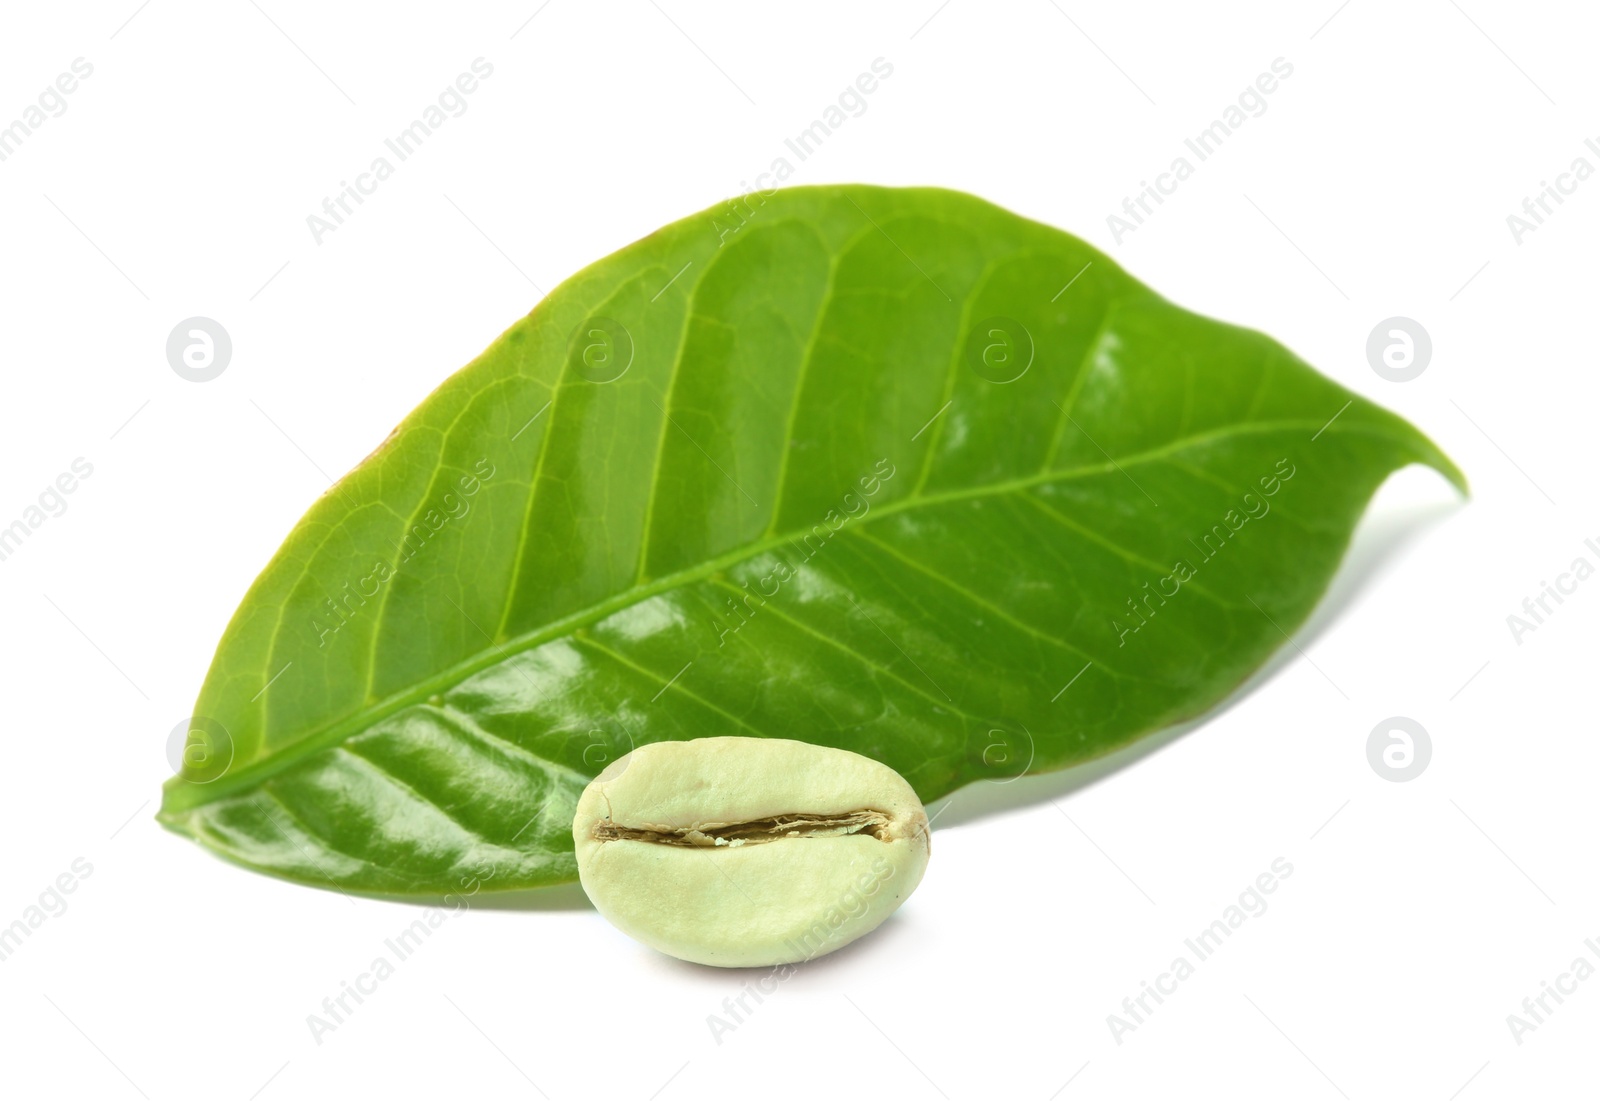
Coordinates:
[777,828]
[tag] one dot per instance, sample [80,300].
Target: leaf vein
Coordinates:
[981,601]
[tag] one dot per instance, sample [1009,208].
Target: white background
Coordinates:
[1418,914]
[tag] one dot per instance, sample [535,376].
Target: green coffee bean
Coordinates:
[744,852]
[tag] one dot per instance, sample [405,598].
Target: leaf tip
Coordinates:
[1436,458]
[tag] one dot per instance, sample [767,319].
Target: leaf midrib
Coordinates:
[183,799]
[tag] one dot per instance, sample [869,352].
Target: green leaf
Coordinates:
[886,469]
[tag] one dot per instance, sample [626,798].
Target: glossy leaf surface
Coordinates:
[890,470]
